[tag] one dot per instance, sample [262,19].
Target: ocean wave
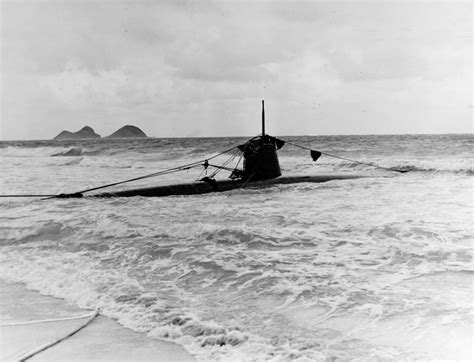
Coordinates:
[206,334]
[75,151]
[124,299]
[178,152]
[463,164]
[455,166]
[426,169]
[287,272]
[32,152]
[180,295]
[50,231]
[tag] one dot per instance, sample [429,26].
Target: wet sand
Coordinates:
[103,339]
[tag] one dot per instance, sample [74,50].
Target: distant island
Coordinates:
[87,132]
[128,132]
[83,133]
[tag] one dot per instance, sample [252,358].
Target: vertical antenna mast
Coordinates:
[263,118]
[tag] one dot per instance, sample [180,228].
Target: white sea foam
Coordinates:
[360,269]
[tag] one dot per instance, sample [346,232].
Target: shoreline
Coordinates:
[103,339]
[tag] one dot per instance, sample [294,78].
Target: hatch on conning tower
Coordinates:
[260,156]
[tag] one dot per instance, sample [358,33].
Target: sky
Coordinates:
[201,68]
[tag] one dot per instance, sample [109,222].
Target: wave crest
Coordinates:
[75,151]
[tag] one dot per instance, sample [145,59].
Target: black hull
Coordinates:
[200,187]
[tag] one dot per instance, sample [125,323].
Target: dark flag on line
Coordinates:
[315,155]
[279,143]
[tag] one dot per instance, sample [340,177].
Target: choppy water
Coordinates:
[379,267]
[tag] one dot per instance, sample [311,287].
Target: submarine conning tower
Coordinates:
[260,156]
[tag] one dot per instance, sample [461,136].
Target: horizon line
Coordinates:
[241,136]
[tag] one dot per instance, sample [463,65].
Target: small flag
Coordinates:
[279,143]
[315,155]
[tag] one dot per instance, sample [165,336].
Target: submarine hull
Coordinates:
[201,187]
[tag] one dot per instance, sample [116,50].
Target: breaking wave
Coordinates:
[76,151]
[427,154]
[310,271]
[406,168]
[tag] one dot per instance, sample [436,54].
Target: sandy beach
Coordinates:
[103,339]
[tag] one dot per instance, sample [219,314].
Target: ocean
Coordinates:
[375,268]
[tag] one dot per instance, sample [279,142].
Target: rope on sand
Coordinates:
[13,324]
[44,347]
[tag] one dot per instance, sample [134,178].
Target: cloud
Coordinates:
[78,87]
[200,62]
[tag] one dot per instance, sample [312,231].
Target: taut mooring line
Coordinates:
[347,159]
[79,194]
[159,173]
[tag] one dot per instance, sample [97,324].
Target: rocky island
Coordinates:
[128,132]
[87,132]
[83,133]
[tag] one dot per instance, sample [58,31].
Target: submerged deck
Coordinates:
[196,188]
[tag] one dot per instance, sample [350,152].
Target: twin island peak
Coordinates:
[87,132]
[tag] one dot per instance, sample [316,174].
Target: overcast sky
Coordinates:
[201,68]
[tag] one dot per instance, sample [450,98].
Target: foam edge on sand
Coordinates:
[103,339]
